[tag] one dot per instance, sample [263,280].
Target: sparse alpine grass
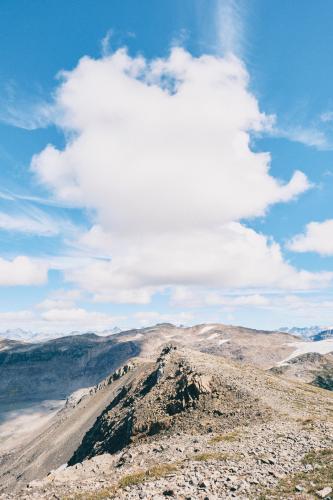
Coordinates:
[156,472]
[227,437]
[310,481]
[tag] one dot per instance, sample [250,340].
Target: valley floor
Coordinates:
[18,421]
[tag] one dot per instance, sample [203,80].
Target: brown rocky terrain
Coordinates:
[313,368]
[185,425]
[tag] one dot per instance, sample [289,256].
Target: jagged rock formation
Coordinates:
[171,396]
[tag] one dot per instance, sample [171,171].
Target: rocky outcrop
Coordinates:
[172,395]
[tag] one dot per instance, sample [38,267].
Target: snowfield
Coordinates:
[322,347]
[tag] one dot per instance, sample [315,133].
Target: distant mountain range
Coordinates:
[28,336]
[306,332]
[323,335]
[314,333]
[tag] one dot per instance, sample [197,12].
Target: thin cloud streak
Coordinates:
[230,27]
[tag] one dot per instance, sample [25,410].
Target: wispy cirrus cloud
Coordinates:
[38,224]
[230,19]
[105,43]
[312,136]
[26,110]
[327,116]
[35,199]
[23,216]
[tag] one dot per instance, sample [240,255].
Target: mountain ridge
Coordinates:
[63,365]
[204,421]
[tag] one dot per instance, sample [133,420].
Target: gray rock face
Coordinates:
[59,367]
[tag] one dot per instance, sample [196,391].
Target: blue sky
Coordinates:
[165,161]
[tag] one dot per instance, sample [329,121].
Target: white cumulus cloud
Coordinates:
[160,153]
[162,145]
[232,256]
[317,237]
[22,271]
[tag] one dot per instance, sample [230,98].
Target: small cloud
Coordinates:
[23,109]
[230,28]
[312,137]
[326,117]
[59,320]
[39,224]
[180,39]
[105,43]
[28,116]
[317,237]
[147,318]
[60,299]
[22,271]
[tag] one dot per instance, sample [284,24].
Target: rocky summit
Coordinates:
[183,424]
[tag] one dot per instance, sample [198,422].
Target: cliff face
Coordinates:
[54,369]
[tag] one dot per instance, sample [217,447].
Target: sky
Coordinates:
[165,162]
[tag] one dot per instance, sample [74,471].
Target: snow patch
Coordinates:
[206,329]
[137,336]
[131,337]
[321,347]
[223,341]
[212,336]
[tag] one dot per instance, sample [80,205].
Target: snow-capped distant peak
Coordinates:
[27,336]
[305,331]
